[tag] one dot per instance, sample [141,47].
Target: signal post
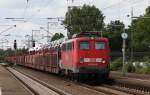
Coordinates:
[15,48]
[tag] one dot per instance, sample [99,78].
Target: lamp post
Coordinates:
[124,37]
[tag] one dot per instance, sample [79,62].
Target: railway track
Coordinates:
[106,89]
[115,74]
[35,86]
[136,82]
[132,86]
[118,87]
[101,92]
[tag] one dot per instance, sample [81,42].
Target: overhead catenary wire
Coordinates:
[122,2]
[115,4]
[123,8]
[24,16]
[44,3]
[7,29]
[25,10]
[136,2]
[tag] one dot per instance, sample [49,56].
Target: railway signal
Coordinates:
[15,44]
[33,43]
[15,47]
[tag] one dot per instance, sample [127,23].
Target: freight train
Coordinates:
[86,54]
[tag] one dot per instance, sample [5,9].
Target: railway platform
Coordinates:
[9,85]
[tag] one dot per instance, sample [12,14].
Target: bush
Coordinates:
[116,64]
[130,68]
[146,68]
[143,71]
[146,59]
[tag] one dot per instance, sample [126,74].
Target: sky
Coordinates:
[35,13]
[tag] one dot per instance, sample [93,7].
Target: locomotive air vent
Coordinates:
[87,34]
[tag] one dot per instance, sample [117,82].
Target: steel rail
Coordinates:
[53,90]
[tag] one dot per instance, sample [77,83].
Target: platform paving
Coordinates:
[9,85]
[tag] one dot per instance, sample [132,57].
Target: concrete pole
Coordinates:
[124,57]
[131,37]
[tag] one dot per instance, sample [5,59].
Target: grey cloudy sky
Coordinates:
[35,9]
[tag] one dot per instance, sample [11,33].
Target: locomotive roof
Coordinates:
[85,38]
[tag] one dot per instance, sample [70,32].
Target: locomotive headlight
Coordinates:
[98,59]
[86,59]
[103,61]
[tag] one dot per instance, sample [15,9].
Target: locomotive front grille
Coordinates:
[94,69]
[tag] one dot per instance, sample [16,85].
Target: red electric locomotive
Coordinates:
[85,55]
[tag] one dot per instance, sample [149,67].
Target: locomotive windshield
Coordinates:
[84,45]
[99,45]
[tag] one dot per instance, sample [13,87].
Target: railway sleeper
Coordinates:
[135,88]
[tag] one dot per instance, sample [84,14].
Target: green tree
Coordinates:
[113,32]
[86,18]
[141,30]
[57,36]
[115,27]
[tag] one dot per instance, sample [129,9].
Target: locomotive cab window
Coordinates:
[99,45]
[67,47]
[85,45]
